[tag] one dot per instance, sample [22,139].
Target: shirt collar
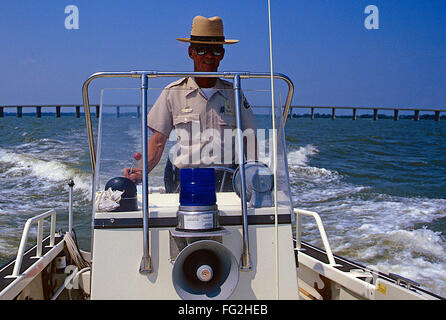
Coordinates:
[192,86]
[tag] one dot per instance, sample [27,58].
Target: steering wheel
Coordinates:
[225,171]
[172,177]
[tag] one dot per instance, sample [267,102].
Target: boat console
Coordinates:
[198,241]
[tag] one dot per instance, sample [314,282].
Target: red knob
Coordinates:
[137,156]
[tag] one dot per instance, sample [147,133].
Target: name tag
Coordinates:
[186,110]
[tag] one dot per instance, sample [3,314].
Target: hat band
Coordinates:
[207,38]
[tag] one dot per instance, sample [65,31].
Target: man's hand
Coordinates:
[133,174]
[155,148]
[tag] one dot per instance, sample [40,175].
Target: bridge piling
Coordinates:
[416,116]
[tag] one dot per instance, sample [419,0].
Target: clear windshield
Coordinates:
[200,126]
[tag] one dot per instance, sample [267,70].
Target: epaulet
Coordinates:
[176,83]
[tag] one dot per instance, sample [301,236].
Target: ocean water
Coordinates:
[379,186]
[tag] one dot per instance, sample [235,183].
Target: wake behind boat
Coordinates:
[152,243]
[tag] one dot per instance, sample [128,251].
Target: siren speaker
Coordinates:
[205,270]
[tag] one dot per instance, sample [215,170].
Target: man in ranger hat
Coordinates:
[200,109]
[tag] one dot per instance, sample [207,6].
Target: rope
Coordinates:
[276,230]
[74,251]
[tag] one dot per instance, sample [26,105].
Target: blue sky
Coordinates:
[322,46]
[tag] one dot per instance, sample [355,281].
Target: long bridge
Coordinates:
[396,111]
[332,109]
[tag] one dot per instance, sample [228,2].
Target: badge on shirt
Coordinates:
[186,110]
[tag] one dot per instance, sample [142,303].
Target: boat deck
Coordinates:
[28,261]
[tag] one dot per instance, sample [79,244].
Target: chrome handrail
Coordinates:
[163,74]
[39,219]
[320,225]
[146,261]
[245,263]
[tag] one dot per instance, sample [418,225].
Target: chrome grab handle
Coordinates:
[400,279]
[317,218]
[245,261]
[146,261]
[39,219]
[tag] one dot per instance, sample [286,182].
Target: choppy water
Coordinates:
[379,186]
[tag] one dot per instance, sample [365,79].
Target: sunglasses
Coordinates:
[202,50]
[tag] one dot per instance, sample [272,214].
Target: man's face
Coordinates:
[206,57]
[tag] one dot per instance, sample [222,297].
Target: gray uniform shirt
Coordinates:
[204,127]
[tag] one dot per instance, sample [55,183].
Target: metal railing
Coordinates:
[39,219]
[320,226]
[143,76]
[167,74]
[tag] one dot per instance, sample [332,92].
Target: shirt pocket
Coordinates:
[184,120]
[186,126]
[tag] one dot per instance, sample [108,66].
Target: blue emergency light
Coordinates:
[197,187]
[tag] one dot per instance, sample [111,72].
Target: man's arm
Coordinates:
[155,148]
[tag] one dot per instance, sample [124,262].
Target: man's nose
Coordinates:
[209,54]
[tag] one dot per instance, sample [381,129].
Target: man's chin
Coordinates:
[209,68]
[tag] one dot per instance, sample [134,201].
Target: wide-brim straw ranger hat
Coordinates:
[207,31]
